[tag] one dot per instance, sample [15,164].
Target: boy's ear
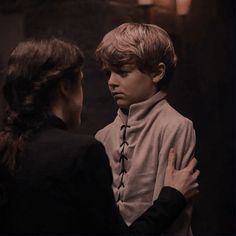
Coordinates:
[160,72]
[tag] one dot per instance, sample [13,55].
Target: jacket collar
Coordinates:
[138,111]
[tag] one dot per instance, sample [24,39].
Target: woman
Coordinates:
[57,181]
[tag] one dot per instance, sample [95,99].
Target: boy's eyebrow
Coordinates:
[119,68]
[128,66]
[124,66]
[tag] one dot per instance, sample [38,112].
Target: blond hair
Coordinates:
[142,45]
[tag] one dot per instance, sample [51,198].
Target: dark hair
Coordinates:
[34,70]
[142,45]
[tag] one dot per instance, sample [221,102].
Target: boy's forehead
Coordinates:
[120,66]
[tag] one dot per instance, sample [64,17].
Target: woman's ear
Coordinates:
[160,72]
[64,88]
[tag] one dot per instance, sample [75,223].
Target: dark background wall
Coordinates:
[202,88]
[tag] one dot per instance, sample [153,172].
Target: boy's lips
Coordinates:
[117,94]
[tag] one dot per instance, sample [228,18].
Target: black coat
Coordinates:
[63,185]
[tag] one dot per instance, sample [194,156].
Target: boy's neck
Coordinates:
[125,111]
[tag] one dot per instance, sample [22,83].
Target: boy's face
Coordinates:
[129,86]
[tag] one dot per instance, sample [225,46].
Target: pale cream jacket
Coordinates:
[138,146]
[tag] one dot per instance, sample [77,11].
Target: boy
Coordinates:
[139,60]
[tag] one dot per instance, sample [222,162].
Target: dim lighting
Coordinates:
[145,2]
[183,7]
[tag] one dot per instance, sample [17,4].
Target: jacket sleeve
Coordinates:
[180,136]
[103,212]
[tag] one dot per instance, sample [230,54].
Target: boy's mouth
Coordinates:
[117,95]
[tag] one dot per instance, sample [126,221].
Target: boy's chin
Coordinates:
[123,105]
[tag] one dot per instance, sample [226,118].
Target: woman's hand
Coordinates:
[185,180]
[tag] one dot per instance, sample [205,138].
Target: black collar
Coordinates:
[56,122]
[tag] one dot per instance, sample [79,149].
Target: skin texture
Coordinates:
[69,102]
[184,180]
[74,97]
[129,85]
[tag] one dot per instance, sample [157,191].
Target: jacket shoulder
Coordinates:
[170,118]
[60,145]
[105,132]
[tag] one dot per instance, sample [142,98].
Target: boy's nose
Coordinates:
[113,80]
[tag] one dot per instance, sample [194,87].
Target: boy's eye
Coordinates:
[123,73]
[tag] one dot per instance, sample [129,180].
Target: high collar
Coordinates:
[138,111]
[54,121]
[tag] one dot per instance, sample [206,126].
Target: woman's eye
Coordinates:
[107,73]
